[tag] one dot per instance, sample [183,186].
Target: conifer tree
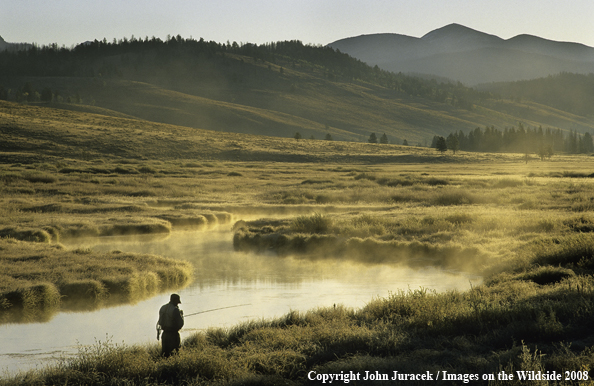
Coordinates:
[441,145]
[452,143]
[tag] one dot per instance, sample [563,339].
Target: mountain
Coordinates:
[469,56]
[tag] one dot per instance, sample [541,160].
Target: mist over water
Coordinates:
[271,285]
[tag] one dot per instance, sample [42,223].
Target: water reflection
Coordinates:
[272,285]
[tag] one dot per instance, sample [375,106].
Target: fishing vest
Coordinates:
[170,318]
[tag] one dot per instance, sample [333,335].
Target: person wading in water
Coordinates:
[171,320]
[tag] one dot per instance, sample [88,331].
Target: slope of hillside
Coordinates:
[491,64]
[275,90]
[32,134]
[470,56]
[573,93]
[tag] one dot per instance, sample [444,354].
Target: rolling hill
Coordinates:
[469,56]
[276,90]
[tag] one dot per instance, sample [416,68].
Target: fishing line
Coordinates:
[216,309]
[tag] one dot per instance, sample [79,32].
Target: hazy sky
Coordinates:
[68,22]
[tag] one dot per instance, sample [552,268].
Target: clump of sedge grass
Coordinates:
[316,223]
[38,275]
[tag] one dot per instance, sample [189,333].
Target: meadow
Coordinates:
[525,227]
[523,224]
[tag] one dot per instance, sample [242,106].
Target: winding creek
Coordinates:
[272,286]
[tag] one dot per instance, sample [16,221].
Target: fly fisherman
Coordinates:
[171,320]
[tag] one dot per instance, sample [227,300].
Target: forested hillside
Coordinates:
[566,91]
[275,89]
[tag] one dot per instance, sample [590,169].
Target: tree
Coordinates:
[47,95]
[453,143]
[542,152]
[372,138]
[297,135]
[434,142]
[384,139]
[586,145]
[441,145]
[550,151]
[328,137]
[29,92]
[405,143]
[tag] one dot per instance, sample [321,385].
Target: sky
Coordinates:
[70,22]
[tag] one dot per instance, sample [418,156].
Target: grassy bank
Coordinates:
[534,317]
[37,280]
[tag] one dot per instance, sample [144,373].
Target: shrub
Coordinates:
[42,295]
[548,275]
[36,235]
[580,224]
[459,218]
[48,208]
[83,289]
[135,229]
[178,220]
[436,181]
[8,178]
[453,197]
[365,176]
[572,250]
[315,223]
[507,183]
[121,170]
[147,170]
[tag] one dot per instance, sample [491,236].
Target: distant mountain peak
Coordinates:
[458,34]
[449,29]
[463,54]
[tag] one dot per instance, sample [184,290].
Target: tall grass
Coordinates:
[412,331]
[531,236]
[315,223]
[38,276]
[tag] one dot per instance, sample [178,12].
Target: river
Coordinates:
[271,286]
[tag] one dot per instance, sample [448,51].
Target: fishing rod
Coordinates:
[216,309]
[201,312]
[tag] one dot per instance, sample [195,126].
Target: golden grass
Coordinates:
[525,226]
[37,276]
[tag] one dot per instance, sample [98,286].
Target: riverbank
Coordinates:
[39,279]
[534,317]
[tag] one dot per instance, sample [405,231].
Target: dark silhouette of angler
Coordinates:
[171,320]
